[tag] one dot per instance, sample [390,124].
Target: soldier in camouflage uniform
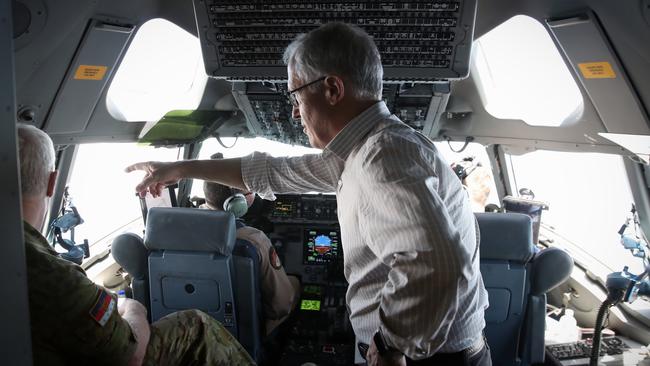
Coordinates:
[76,322]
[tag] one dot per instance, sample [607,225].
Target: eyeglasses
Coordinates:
[291,93]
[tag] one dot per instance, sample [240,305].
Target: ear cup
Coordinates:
[236,204]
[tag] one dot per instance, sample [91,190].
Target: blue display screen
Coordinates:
[321,246]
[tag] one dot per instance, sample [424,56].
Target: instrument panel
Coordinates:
[305,231]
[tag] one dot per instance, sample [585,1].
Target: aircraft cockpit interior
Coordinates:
[540,108]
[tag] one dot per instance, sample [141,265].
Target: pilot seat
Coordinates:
[517,277]
[190,259]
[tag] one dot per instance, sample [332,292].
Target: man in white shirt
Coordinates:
[415,293]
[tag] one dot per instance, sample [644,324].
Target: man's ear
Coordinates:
[334,89]
[51,183]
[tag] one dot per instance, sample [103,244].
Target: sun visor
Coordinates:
[87,78]
[182,127]
[600,73]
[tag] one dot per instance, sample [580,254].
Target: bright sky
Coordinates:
[589,198]
[103,193]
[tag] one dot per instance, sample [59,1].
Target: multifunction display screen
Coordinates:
[284,209]
[321,246]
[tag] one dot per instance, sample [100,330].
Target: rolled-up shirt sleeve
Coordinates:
[267,175]
[407,227]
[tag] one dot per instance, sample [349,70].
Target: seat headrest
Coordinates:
[130,253]
[551,267]
[506,236]
[190,229]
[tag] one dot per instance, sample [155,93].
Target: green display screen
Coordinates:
[310,305]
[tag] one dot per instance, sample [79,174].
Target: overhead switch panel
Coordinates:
[419,41]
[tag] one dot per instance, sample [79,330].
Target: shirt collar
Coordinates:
[355,130]
[31,232]
[30,229]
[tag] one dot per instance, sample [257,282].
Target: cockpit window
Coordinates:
[161,71]
[589,199]
[480,184]
[521,75]
[104,194]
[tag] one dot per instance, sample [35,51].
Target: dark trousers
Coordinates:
[462,358]
[481,358]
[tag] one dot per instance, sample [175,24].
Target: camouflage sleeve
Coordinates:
[73,316]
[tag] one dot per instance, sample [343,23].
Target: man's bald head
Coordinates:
[36,152]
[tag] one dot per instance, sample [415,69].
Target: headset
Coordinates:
[236,204]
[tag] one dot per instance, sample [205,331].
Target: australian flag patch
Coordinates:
[103,307]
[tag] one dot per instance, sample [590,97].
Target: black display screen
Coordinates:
[321,246]
[283,209]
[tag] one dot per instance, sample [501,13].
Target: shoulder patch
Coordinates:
[103,308]
[274,260]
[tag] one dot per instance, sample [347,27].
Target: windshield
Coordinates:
[589,199]
[588,195]
[104,194]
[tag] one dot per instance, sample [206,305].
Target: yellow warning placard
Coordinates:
[597,70]
[90,72]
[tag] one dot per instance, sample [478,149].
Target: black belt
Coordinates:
[454,358]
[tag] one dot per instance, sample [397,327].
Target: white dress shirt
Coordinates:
[407,230]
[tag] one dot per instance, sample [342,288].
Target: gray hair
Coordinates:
[36,153]
[340,49]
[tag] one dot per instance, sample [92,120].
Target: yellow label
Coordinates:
[597,70]
[89,72]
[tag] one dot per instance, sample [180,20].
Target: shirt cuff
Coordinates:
[254,174]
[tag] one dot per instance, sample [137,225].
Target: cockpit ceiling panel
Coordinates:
[419,40]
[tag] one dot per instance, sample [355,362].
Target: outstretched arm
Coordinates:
[158,174]
[258,172]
